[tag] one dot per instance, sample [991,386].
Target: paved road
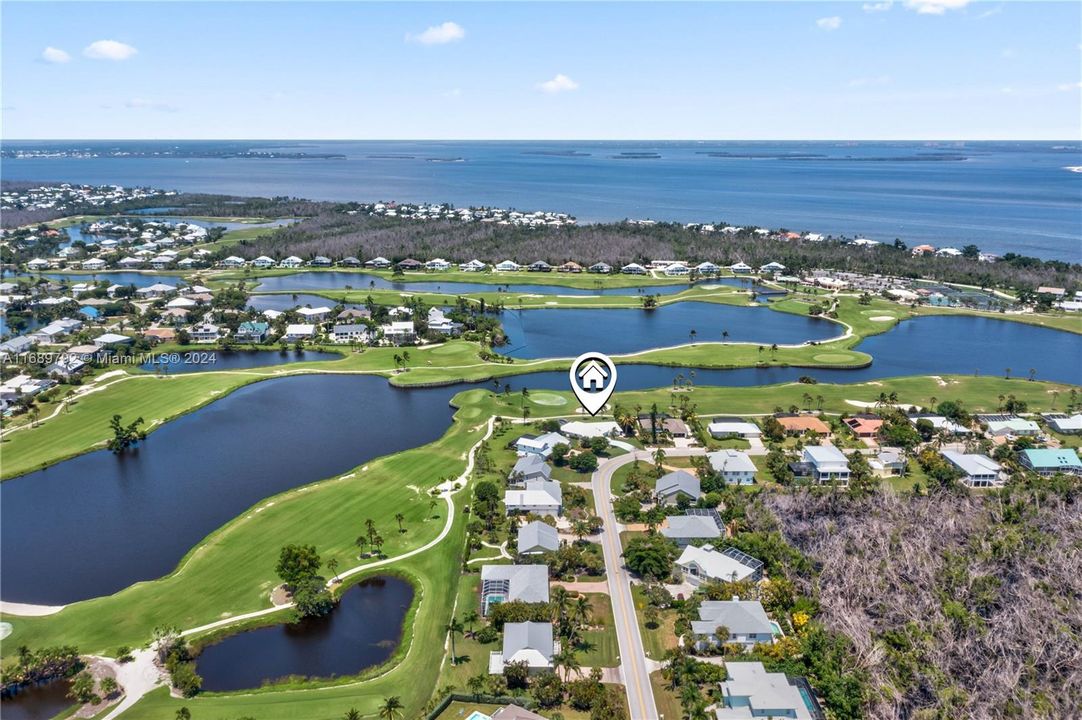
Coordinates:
[635,665]
[640,695]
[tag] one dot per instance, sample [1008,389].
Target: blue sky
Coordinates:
[915,69]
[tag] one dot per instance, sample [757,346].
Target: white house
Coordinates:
[1062,423]
[291,262]
[671,487]
[541,497]
[316,314]
[633,269]
[734,466]
[705,564]
[707,268]
[38,264]
[540,444]
[94,264]
[205,333]
[828,463]
[603,268]
[740,268]
[772,267]
[977,470]
[299,331]
[677,269]
[156,290]
[752,692]
[725,428]
[513,583]
[580,429]
[398,332]
[437,265]
[536,538]
[508,266]
[746,621]
[474,265]
[379,263]
[232,262]
[263,262]
[350,333]
[686,529]
[1015,427]
[524,642]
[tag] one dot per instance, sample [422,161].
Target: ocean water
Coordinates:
[1017,196]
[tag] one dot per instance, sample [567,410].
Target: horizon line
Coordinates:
[562,140]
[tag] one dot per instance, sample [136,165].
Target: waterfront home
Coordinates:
[733,427]
[707,268]
[580,429]
[670,488]
[508,266]
[474,265]
[1010,426]
[440,323]
[536,538]
[828,463]
[291,262]
[23,386]
[156,290]
[864,426]
[181,302]
[524,642]
[320,261]
[177,316]
[263,262]
[540,497]
[161,262]
[399,332]
[800,424]
[38,264]
[437,265]
[677,269]
[94,264]
[66,366]
[746,621]
[1048,462]
[772,267]
[923,250]
[108,339]
[540,444]
[316,314]
[1062,423]
[633,269]
[539,266]
[694,526]
[705,564]
[734,467]
[942,424]
[378,263]
[350,333]
[299,331]
[513,583]
[130,263]
[740,268]
[751,692]
[205,333]
[272,314]
[252,332]
[1054,291]
[888,462]
[16,346]
[354,314]
[350,262]
[410,264]
[977,470]
[160,334]
[602,268]
[187,263]
[527,468]
[570,267]
[232,261]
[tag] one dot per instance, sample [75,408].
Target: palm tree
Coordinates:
[399,517]
[724,335]
[692,334]
[1007,373]
[568,661]
[332,565]
[581,611]
[405,357]
[392,708]
[659,458]
[352,714]
[525,413]
[454,627]
[470,618]
[476,684]
[397,360]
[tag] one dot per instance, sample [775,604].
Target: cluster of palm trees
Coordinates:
[391,709]
[401,360]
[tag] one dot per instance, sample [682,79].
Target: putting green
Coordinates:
[448,349]
[547,399]
[832,357]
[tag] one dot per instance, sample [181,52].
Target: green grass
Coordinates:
[601,638]
[668,704]
[620,476]
[656,641]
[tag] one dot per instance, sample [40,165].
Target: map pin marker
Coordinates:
[593,378]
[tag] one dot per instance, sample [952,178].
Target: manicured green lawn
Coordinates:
[656,641]
[601,638]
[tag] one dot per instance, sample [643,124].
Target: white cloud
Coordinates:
[1067,87]
[447,32]
[990,13]
[55,55]
[1008,53]
[935,7]
[558,84]
[109,50]
[829,23]
[143,104]
[877,6]
[453,93]
[873,81]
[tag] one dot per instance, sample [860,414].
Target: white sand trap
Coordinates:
[552,303]
[881,318]
[547,399]
[5,629]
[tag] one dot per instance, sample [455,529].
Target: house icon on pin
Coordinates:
[592,376]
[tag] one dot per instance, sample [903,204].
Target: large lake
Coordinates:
[1003,196]
[59,526]
[362,631]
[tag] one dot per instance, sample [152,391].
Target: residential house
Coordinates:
[354,314]
[181,302]
[677,269]
[37,264]
[1048,462]
[23,385]
[734,467]
[399,332]
[524,642]
[378,263]
[540,444]
[703,525]
[633,269]
[299,331]
[749,691]
[508,266]
[437,265]
[536,538]
[865,426]
[16,346]
[800,424]
[1065,424]
[321,261]
[513,583]
[580,429]
[527,468]
[66,366]
[977,470]
[539,266]
[828,463]
[740,268]
[291,262]
[410,264]
[733,427]
[252,332]
[601,268]
[888,462]
[232,261]
[707,268]
[942,424]
[541,497]
[705,564]
[676,427]
[474,265]
[746,621]
[570,267]
[351,333]
[772,267]
[205,333]
[314,315]
[1008,426]
[109,340]
[157,290]
[669,488]
[350,261]
[438,322]
[94,264]
[263,261]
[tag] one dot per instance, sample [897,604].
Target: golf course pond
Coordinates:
[60,525]
[37,702]
[362,631]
